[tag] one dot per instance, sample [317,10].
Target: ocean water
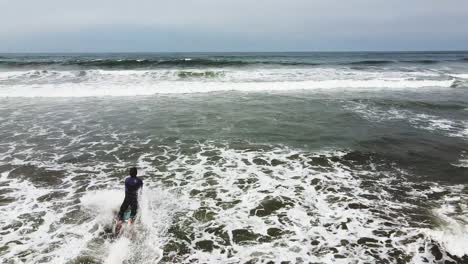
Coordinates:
[245,157]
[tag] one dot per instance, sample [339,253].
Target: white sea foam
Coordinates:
[52,83]
[103,205]
[453,231]
[461,76]
[320,206]
[462,161]
[69,240]
[200,194]
[143,244]
[48,235]
[118,251]
[165,87]
[453,128]
[227,75]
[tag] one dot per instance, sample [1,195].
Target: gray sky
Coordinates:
[225,25]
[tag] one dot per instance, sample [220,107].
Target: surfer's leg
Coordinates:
[134,205]
[123,207]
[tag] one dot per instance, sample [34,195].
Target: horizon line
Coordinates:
[303,51]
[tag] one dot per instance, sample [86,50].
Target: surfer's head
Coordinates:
[132,172]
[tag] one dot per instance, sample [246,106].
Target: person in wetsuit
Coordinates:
[132,185]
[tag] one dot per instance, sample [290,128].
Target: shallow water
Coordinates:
[373,174]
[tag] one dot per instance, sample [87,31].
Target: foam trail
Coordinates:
[103,204]
[118,252]
[157,210]
[453,234]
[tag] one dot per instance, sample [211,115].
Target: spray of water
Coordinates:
[142,242]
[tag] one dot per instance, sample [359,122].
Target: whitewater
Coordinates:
[86,83]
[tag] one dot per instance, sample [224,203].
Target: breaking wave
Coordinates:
[122,63]
[371,62]
[191,62]
[53,83]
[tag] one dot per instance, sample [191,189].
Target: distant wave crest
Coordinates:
[122,63]
[145,63]
[371,62]
[421,61]
[209,62]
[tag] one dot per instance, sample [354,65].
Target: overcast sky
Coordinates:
[226,25]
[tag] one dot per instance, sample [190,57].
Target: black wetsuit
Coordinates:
[132,185]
